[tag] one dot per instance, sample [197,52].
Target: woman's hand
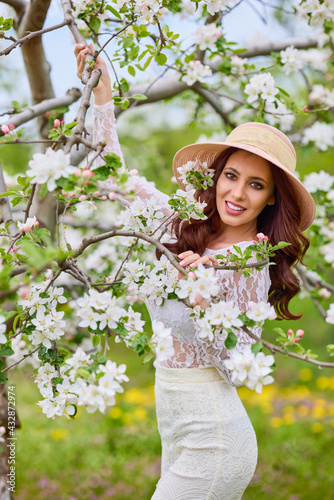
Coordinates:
[102,91]
[191,259]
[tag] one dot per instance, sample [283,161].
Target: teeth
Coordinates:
[233,207]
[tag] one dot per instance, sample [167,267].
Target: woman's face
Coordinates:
[243,189]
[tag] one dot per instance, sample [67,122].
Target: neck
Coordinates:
[232,234]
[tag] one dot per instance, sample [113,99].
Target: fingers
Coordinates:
[192,259]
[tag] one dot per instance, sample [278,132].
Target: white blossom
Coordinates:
[250,369]
[330,315]
[3,338]
[163,341]
[196,72]
[206,36]
[291,59]
[318,181]
[49,167]
[259,311]
[322,134]
[194,166]
[262,85]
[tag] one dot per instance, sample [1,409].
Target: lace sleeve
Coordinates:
[235,287]
[105,132]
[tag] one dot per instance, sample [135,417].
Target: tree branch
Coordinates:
[32,34]
[6,207]
[41,108]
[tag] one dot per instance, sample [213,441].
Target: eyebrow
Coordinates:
[255,178]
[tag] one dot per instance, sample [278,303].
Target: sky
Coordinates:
[243,25]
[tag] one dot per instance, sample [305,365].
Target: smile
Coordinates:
[233,209]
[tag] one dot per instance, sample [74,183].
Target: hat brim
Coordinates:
[209,151]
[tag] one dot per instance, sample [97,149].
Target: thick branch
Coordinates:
[212,100]
[69,98]
[264,49]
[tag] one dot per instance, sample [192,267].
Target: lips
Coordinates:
[235,204]
[236,211]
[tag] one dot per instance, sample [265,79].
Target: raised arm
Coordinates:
[105,129]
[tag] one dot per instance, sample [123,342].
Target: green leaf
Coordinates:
[6,350]
[161,58]
[131,70]
[231,341]
[284,92]
[7,193]
[147,62]
[256,347]
[330,349]
[57,380]
[3,378]
[139,97]
[102,173]
[148,357]
[124,85]
[94,23]
[43,191]
[114,11]
[2,364]
[96,340]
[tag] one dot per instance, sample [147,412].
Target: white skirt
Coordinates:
[209,448]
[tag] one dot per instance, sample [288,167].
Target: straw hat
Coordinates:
[262,140]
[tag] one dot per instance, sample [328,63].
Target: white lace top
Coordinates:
[190,350]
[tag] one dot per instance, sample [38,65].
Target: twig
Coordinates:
[24,357]
[273,348]
[32,192]
[30,35]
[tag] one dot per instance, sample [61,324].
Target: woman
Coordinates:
[209,448]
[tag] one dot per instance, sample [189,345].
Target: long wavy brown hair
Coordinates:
[280,222]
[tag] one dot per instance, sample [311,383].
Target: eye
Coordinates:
[257,185]
[229,175]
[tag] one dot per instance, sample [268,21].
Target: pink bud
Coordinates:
[117,224]
[63,122]
[296,340]
[173,179]
[26,228]
[133,172]
[87,183]
[11,126]
[228,251]
[104,197]
[112,196]
[36,223]
[255,242]
[56,123]
[300,333]
[266,238]
[47,114]
[290,332]
[83,197]
[72,195]
[25,292]
[251,304]
[128,298]
[78,172]
[86,173]
[260,236]
[144,9]
[135,298]
[131,288]
[96,193]
[5,129]
[15,249]
[192,275]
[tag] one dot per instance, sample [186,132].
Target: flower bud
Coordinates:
[251,304]
[117,224]
[26,228]
[228,251]
[86,173]
[87,183]
[112,196]
[300,333]
[173,179]
[78,172]
[5,129]
[128,298]
[296,340]
[47,114]
[11,126]
[131,288]
[96,193]
[104,197]
[133,172]
[290,332]
[56,123]
[83,197]
[36,223]
[192,275]
[15,249]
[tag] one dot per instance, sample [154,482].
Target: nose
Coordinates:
[238,191]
